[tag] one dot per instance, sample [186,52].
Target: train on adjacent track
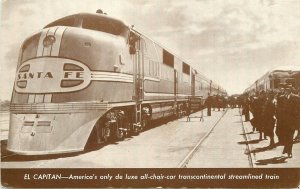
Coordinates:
[271,81]
[88,78]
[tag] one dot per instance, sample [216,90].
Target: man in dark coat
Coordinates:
[214,102]
[246,107]
[219,102]
[223,102]
[289,120]
[257,106]
[268,114]
[208,104]
[297,92]
[280,108]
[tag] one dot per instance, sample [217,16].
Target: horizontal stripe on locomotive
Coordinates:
[164,94]
[151,79]
[118,77]
[59,107]
[111,76]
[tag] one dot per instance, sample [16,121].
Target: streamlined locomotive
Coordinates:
[89,78]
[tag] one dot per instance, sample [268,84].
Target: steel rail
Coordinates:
[189,156]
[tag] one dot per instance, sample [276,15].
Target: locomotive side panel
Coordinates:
[98,91]
[202,86]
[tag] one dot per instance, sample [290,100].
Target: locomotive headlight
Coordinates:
[49,40]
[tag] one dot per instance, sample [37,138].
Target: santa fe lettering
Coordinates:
[36,75]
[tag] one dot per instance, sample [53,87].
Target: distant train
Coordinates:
[88,78]
[273,78]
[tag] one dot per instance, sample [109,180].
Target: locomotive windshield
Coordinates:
[93,22]
[66,21]
[104,24]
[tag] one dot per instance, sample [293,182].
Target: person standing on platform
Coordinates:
[224,102]
[254,111]
[246,107]
[297,138]
[289,120]
[256,107]
[280,108]
[219,102]
[268,113]
[208,104]
[214,102]
[262,99]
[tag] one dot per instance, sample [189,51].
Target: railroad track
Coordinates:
[189,156]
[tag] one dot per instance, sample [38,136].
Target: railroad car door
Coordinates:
[193,83]
[175,88]
[175,84]
[138,73]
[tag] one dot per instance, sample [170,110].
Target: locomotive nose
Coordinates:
[44,43]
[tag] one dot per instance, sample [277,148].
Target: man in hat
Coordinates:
[256,107]
[246,107]
[268,113]
[297,92]
[208,104]
[289,119]
[280,108]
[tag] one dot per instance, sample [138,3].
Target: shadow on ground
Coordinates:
[255,141]
[274,160]
[262,149]
[248,133]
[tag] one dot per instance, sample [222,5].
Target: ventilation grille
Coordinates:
[44,124]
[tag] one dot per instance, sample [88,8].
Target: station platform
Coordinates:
[232,144]
[265,157]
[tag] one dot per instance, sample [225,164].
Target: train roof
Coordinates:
[115,26]
[93,15]
[282,69]
[286,68]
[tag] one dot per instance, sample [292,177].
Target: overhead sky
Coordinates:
[233,42]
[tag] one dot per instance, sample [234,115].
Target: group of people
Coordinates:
[277,113]
[235,101]
[215,102]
